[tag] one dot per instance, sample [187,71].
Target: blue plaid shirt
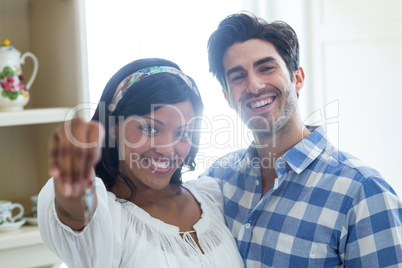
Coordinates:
[325,209]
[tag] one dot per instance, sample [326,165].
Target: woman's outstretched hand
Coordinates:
[75,148]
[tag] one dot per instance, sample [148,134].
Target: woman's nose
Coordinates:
[165,146]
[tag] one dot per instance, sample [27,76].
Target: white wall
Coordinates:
[121,31]
[351,53]
[359,57]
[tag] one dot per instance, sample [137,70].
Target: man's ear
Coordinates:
[227,97]
[299,79]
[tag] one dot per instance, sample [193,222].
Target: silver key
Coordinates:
[88,204]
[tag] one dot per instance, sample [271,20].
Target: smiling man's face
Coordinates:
[260,88]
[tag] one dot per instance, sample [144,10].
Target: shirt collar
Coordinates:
[247,155]
[306,151]
[299,156]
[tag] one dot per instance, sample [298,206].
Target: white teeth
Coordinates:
[160,164]
[259,104]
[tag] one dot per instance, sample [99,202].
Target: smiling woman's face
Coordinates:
[154,145]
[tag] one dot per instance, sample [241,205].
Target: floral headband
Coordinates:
[143,73]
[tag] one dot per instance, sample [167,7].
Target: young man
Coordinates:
[292,199]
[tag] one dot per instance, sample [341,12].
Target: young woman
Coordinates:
[116,198]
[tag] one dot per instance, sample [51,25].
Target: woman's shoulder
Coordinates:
[206,189]
[204,183]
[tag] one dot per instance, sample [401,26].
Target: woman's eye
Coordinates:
[149,129]
[184,134]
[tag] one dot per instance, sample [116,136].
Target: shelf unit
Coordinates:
[25,248]
[33,116]
[53,30]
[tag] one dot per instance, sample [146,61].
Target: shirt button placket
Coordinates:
[245,232]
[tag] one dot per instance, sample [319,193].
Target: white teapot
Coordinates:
[14,93]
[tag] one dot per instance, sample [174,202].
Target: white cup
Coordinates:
[6,212]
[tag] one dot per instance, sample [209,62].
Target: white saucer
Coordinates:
[12,226]
[31,220]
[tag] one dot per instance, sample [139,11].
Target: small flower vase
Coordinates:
[14,93]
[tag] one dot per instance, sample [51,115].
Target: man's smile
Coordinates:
[260,104]
[255,104]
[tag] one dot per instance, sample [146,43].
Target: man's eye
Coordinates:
[267,68]
[237,77]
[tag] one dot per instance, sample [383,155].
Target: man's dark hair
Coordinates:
[238,28]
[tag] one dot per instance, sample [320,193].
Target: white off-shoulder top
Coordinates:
[121,234]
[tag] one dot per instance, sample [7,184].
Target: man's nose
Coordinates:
[255,83]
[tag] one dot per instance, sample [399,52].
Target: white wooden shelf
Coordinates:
[25,248]
[54,31]
[25,236]
[33,116]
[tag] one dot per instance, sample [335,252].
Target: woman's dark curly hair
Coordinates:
[139,99]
